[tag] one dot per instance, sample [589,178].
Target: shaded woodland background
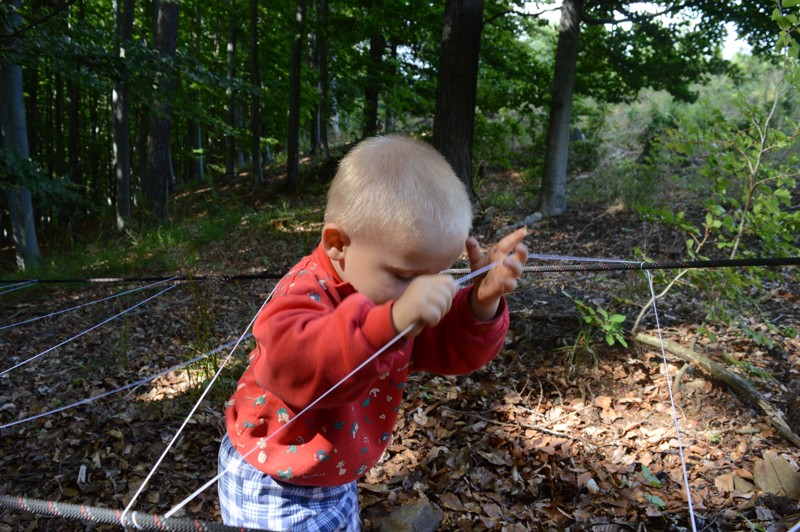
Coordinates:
[164,138]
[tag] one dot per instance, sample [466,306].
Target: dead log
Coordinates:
[740,386]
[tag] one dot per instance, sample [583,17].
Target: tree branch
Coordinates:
[631,17]
[42,20]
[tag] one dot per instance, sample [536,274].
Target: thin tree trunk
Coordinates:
[372,87]
[15,139]
[293,141]
[32,79]
[324,79]
[553,193]
[60,154]
[74,125]
[123,10]
[196,166]
[315,119]
[454,118]
[158,166]
[230,141]
[255,103]
[390,98]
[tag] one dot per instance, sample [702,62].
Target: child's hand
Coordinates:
[489,288]
[425,302]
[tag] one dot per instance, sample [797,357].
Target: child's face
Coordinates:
[382,271]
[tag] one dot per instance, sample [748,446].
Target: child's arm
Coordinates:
[489,288]
[424,303]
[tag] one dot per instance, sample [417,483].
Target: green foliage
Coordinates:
[595,323]
[57,193]
[746,160]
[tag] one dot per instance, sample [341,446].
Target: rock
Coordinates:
[414,517]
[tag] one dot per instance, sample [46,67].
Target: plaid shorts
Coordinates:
[251,498]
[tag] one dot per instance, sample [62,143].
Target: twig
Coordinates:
[538,428]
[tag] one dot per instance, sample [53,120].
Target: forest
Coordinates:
[163,163]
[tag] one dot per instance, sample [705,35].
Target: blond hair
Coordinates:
[398,187]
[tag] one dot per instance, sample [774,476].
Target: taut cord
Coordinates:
[93,514]
[379,352]
[122,388]
[16,286]
[622,265]
[115,316]
[601,264]
[90,303]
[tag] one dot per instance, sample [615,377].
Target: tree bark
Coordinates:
[230,141]
[293,141]
[255,103]
[553,193]
[323,52]
[73,122]
[15,139]
[196,167]
[58,116]
[123,11]
[454,117]
[372,86]
[158,167]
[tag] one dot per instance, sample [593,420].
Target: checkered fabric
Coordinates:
[250,498]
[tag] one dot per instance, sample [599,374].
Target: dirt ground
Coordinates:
[540,439]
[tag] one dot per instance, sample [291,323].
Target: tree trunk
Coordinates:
[196,164]
[553,193]
[158,167]
[15,139]
[392,96]
[293,141]
[317,112]
[60,154]
[454,117]
[230,141]
[324,79]
[255,103]
[73,120]
[123,12]
[372,87]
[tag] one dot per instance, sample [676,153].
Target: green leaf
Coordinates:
[655,500]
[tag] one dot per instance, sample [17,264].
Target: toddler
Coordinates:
[396,216]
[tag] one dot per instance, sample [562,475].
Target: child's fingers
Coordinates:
[474,252]
[510,241]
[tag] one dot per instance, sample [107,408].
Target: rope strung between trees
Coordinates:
[94,514]
[213,278]
[167,522]
[83,305]
[594,265]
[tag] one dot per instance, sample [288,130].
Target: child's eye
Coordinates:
[403,277]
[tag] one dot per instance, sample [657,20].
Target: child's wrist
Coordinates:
[486,310]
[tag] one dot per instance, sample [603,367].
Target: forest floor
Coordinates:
[537,440]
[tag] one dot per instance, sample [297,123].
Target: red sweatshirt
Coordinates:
[316,330]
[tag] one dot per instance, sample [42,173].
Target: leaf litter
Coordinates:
[529,442]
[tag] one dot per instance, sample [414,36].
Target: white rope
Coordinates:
[197,404]
[672,402]
[379,352]
[16,286]
[34,357]
[85,304]
[121,388]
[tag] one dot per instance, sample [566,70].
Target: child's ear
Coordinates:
[334,241]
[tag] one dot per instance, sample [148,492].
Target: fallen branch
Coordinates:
[736,383]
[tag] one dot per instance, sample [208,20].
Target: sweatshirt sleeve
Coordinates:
[306,345]
[460,343]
